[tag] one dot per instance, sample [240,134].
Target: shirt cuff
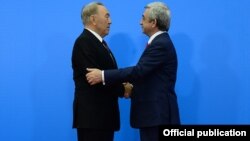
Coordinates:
[103,81]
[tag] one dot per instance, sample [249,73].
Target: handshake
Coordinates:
[94,76]
[128,89]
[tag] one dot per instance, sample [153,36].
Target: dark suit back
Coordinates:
[153,100]
[94,106]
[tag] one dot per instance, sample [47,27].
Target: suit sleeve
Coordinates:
[85,56]
[150,60]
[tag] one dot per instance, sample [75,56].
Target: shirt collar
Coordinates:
[95,34]
[154,35]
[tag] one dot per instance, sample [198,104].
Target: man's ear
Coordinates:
[154,23]
[93,19]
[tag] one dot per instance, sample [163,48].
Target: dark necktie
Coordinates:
[110,53]
[105,45]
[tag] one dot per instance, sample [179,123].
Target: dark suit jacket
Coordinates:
[94,106]
[153,100]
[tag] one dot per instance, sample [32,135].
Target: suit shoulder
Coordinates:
[83,41]
[162,39]
[82,38]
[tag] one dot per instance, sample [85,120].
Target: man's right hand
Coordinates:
[94,76]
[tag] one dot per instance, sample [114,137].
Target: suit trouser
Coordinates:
[149,133]
[84,134]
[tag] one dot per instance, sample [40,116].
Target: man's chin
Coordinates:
[107,33]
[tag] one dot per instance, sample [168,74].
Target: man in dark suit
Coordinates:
[153,100]
[95,108]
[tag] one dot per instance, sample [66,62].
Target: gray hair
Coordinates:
[160,12]
[88,10]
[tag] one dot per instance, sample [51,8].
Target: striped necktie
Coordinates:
[110,53]
[105,45]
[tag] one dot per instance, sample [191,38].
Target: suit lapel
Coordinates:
[100,46]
